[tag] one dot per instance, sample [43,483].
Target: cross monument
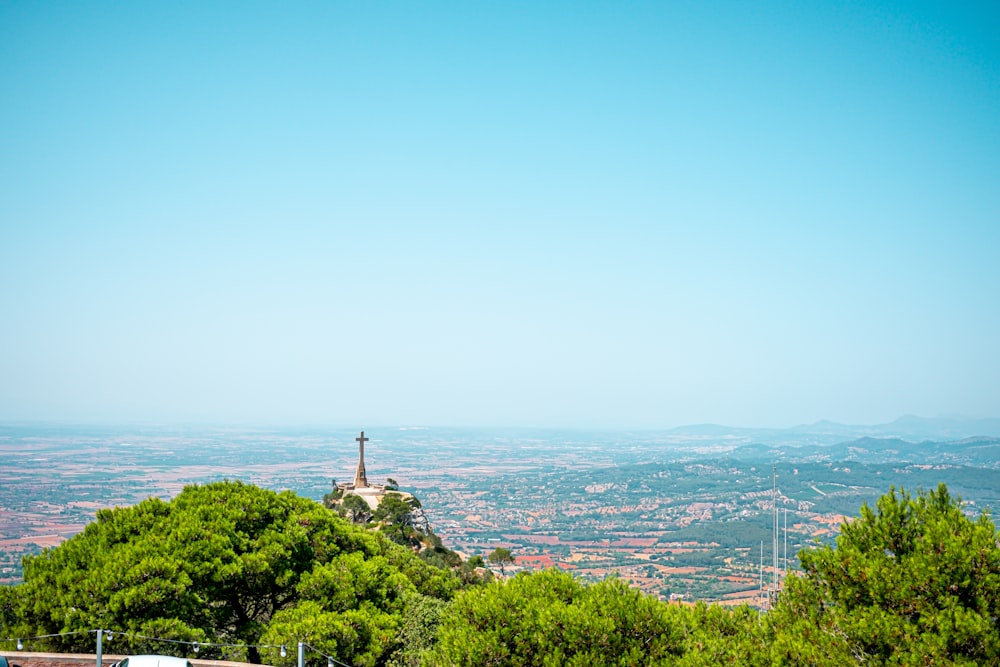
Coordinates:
[360,479]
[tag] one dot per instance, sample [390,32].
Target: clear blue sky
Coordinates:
[537,214]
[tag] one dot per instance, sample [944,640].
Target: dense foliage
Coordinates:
[226,563]
[551,618]
[911,581]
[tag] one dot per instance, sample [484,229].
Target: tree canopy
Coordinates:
[911,581]
[550,618]
[501,557]
[227,563]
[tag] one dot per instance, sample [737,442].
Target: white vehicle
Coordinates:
[153,661]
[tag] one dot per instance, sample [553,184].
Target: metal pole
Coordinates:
[100,648]
[774,570]
[302,652]
[786,543]
[761,593]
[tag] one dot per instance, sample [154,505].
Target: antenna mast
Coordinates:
[774,551]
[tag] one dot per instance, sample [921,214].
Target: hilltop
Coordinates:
[233,568]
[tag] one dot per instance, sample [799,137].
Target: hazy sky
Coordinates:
[537,214]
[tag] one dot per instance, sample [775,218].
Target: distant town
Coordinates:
[704,513]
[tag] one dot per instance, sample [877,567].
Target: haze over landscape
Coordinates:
[571,215]
[442,334]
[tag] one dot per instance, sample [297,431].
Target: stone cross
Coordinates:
[360,479]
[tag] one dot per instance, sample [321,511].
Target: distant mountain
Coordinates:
[977,452]
[909,428]
[943,428]
[875,444]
